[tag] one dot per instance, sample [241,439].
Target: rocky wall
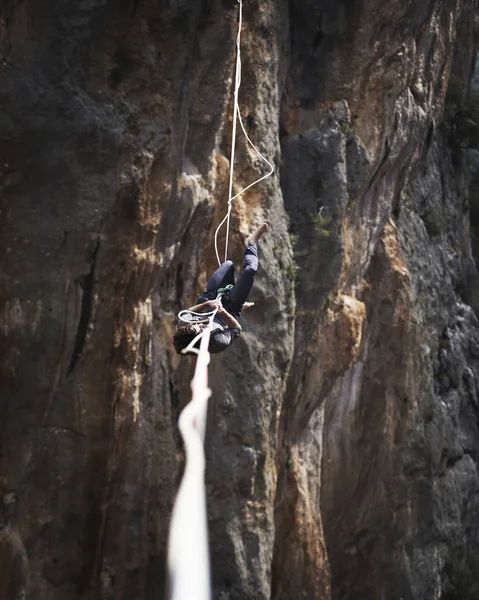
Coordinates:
[342,435]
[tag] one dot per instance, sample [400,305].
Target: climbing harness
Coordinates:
[188,557]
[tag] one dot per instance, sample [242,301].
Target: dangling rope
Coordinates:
[188,558]
[237,116]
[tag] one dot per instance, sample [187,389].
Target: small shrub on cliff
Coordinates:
[321,223]
[293,239]
[347,128]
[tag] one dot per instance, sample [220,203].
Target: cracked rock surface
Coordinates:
[342,441]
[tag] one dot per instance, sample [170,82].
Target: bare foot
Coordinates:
[247,305]
[254,237]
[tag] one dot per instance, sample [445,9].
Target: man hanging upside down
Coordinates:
[225,327]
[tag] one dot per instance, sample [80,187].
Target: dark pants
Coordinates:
[225,275]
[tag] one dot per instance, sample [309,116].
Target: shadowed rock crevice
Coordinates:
[85,313]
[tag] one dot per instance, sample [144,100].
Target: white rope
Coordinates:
[188,556]
[237,115]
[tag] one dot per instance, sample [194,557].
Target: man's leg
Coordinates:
[239,293]
[223,276]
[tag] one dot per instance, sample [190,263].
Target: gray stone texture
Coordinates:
[342,441]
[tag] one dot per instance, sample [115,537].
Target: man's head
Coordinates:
[185,334]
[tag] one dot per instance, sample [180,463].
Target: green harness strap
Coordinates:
[222,291]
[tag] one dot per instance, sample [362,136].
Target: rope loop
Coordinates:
[207,318]
[237,117]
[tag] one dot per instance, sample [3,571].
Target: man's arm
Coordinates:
[220,340]
[230,320]
[202,306]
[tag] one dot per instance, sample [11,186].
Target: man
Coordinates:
[225,327]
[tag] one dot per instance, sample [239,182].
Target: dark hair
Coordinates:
[183,336]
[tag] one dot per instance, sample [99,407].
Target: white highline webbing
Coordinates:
[188,557]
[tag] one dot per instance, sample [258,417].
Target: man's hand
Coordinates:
[213,303]
[230,320]
[220,307]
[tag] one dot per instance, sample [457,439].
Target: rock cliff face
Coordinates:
[343,436]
